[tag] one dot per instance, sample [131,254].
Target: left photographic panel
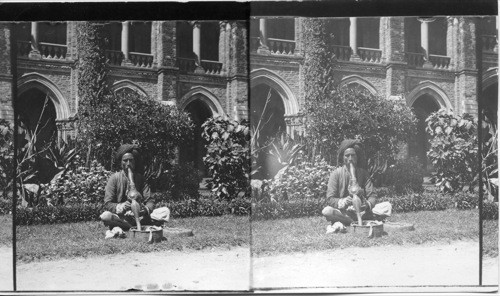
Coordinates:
[124,182]
[6,162]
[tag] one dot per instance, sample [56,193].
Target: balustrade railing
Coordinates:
[186,64]
[439,62]
[23,48]
[415,59]
[370,55]
[342,53]
[53,51]
[490,43]
[115,57]
[281,46]
[254,43]
[211,67]
[141,59]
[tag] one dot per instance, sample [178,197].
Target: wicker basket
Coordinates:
[149,234]
[369,228]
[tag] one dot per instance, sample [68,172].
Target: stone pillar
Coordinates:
[6,110]
[466,70]
[393,44]
[353,38]
[197,47]
[237,85]
[166,52]
[35,52]
[424,39]
[223,46]
[125,50]
[263,48]
[298,37]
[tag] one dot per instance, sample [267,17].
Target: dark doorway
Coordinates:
[29,108]
[270,121]
[490,103]
[419,144]
[195,150]
[34,119]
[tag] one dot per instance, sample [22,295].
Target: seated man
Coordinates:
[340,195]
[117,206]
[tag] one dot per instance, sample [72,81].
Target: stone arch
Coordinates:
[38,81]
[127,84]
[264,76]
[431,89]
[206,97]
[355,79]
[489,77]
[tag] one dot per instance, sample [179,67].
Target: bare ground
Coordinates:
[454,264]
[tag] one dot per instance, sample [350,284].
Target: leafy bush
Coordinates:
[228,157]
[304,180]
[340,113]
[157,128]
[125,115]
[413,202]
[91,212]
[405,175]
[80,185]
[490,210]
[58,214]
[181,181]
[410,202]
[6,155]
[5,206]
[453,151]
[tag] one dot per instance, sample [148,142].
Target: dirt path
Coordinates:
[437,264]
[197,270]
[6,283]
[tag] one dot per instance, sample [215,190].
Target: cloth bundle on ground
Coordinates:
[383,209]
[161,214]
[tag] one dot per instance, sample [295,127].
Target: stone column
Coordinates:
[466,67]
[263,48]
[424,39]
[222,46]
[353,38]
[166,57]
[35,52]
[197,47]
[393,45]
[125,50]
[6,72]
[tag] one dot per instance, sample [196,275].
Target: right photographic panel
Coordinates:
[366,142]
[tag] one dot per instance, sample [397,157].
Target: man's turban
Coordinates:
[124,149]
[357,146]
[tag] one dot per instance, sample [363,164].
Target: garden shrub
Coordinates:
[347,113]
[91,212]
[6,155]
[405,175]
[453,151]
[304,180]
[106,119]
[183,180]
[79,185]
[490,210]
[228,157]
[5,206]
[58,214]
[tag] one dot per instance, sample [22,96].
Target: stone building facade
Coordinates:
[200,66]
[431,63]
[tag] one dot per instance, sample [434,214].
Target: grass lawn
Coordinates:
[308,233]
[6,230]
[48,242]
